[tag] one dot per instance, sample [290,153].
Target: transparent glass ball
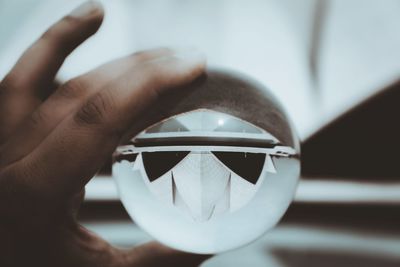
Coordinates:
[218,169]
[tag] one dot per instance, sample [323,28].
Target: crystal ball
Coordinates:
[212,167]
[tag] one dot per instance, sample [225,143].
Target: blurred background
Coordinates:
[335,67]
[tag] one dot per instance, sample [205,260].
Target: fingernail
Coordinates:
[85,9]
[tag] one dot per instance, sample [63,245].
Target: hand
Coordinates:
[54,139]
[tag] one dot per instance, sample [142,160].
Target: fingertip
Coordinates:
[190,65]
[91,8]
[192,56]
[180,68]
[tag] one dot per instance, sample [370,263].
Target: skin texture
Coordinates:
[53,139]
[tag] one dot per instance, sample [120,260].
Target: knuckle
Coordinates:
[50,34]
[37,117]
[74,88]
[95,110]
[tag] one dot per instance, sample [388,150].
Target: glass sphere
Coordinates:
[218,169]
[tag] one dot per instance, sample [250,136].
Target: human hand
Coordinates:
[53,139]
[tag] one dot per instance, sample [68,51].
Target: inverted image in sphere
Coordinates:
[211,168]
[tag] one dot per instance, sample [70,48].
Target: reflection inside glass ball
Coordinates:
[205,181]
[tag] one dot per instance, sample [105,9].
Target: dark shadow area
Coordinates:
[107,167]
[101,211]
[364,143]
[318,258]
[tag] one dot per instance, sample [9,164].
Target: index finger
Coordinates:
[32,77]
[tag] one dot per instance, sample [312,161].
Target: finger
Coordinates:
[155,254]
[63,163]
[66,99]
[31,78]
